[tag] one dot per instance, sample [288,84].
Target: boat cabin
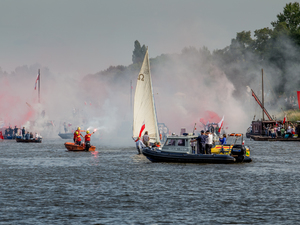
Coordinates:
[258,127]
[179,144]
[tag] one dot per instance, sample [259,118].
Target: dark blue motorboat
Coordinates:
[178,149]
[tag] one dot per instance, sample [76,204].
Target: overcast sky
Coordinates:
[82,37]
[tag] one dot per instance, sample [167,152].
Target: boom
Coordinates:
[259,102]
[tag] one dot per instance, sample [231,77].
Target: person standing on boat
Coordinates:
[146,139]
[267,130]
[209,142]
[87,140]
[78,138]
[23,132]
[272,132]
[139,145]
[15,131]
[282,131]
[193,146]
[27,136]
[201,140]
[78,131]
[65,127]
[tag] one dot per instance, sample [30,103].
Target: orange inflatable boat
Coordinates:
[73,147]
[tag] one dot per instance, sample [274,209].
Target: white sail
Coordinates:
[144,108]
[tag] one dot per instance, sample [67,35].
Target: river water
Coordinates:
[45,184]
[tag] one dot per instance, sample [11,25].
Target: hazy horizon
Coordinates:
[78,38]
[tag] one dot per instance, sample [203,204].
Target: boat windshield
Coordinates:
[170,142]
[234,140]
[181,142]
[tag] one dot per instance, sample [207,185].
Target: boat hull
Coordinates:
[77,148]
[267,138]
[39,140]
[66,135]
[162,156]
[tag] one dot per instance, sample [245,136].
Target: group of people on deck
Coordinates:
[29,135]
[12,133]
[205,142]
[87,138]
[282,130]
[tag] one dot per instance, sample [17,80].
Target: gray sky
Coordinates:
[81,37]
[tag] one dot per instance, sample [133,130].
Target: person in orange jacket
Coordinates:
[87,140]
[78,138]
[75,135]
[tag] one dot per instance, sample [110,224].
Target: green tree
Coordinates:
[138,53]
[261,45]
[288,22]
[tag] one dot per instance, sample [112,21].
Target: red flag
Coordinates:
[1,136]
[142,129]
[37,78]
[298,95]
[220,124]
[284,119]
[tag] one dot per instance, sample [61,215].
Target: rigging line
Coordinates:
[274,96]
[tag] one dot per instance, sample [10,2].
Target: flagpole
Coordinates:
[262,97]
[39,96]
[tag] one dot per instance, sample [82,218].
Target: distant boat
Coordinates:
[73,147]
[144,108]
[66,135]
[34,140]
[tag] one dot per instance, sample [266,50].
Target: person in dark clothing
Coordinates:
[200,143]
[202,140]
[23,132]
[10,131]
[27,136]
[15,131]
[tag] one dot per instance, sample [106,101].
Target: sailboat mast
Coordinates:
[155,115]
[262,93]
[131,97]
[39,88]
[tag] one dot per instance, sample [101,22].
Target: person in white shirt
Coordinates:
[209,142]
[140,145]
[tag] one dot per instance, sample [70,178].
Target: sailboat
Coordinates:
[176,148]
[144,112]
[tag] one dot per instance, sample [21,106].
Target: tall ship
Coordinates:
[259,128]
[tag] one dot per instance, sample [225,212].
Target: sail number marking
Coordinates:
[141,77]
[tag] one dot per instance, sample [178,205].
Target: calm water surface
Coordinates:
[45,184]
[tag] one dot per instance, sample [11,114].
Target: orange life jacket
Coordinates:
[75,135]
[78,138]
[87,137]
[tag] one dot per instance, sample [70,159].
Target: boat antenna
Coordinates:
[39,88]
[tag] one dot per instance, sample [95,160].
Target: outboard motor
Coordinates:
[238,152]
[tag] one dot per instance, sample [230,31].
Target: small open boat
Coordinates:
[73,147]
[34,140]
